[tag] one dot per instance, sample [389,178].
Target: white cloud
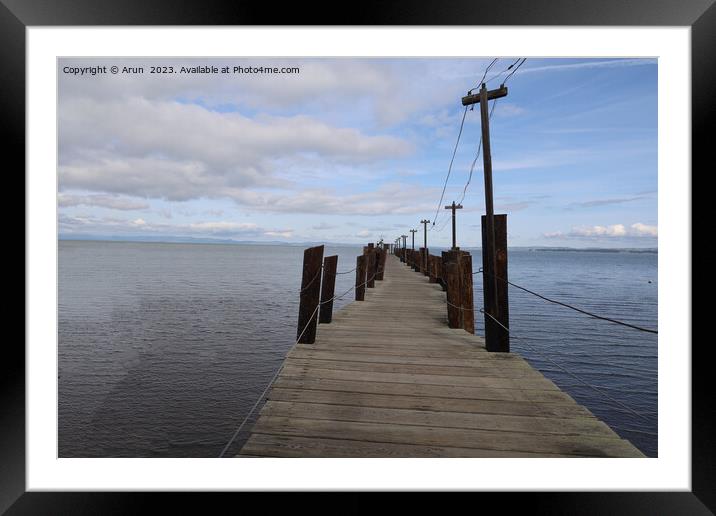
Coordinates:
[644,230]
[316,77]
[223,226]
[103,201]
[87,224]
[177,151]
[392,198]
[385,89]
[615,230]
[323,226]
[618,231]
[281,234]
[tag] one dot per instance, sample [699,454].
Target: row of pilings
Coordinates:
[319,280]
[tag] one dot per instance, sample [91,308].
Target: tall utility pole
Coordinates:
[425,223]
[404,237]
[482,98]
[454,207]
[413,231]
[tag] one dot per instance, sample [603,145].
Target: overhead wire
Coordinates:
[477,156]
[442,195]
[484,74]
[454,152]
[515,70]
[498,74]
[566,305]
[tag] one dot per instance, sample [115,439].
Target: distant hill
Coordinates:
[227,241]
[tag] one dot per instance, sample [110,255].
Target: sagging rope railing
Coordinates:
[560,303]
[448,281]
[319,273]
[262,396]
[572,375]
[590,314]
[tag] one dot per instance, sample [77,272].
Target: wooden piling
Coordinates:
[370,268]
[444,259]
[387,379]
[439,273]
[328,287]
[381,264]
[360,277]
[376,263]
[309,296]
[453,294]
[432,270]
[466,296]
[496,337]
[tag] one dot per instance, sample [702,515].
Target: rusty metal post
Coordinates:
[309,295]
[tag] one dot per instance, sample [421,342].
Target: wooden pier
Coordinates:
[388,378]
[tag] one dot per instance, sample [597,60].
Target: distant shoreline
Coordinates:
[217,241]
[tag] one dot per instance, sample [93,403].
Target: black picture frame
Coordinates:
[17,15]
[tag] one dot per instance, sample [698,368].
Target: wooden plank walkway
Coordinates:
[388,378]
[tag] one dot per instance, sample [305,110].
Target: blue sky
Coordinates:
[349,150]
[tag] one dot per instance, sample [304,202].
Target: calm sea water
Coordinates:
[164,348]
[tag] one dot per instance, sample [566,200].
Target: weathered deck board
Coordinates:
[478,406]
[265,445]
[388,378]
[381,367]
